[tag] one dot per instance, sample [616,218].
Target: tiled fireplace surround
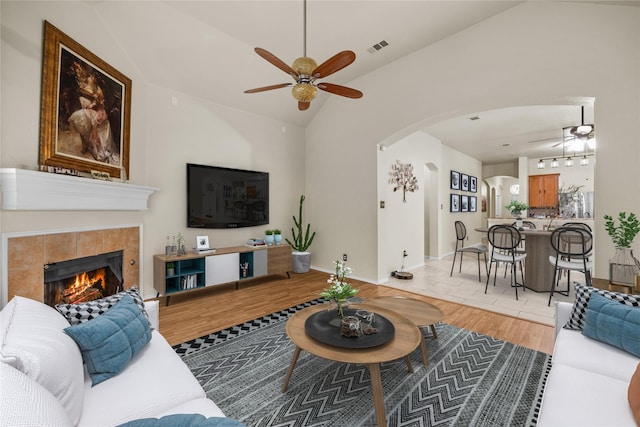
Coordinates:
[27,255]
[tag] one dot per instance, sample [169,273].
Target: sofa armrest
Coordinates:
[153,310]
[563,313]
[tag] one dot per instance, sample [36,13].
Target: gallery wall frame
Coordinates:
[85,116]
[455,180]
[464,182]
[473,204]
[454,204]
[464,203]
[473,184]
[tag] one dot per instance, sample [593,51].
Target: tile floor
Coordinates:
[433,280]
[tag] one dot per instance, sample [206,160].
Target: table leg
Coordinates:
[378,398]
[409,365]
[423,348]
[433,331]
[294,359]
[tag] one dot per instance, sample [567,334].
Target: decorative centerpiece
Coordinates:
[516,207]
[340,290]
[624,266]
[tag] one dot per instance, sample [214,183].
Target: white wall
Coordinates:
[163,137]
[516,58]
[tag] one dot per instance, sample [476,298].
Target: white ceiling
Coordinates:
[205,49]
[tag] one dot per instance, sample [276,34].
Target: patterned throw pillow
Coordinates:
[85,311]
[583,294]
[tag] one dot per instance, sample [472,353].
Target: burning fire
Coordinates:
[85,287]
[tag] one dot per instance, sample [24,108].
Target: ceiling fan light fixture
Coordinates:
[304,65]
[304,92]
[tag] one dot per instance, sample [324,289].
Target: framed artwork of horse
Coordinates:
[85,110]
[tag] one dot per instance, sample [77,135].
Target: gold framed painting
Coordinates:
[85,111]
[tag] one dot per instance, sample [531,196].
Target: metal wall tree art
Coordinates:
[403,179]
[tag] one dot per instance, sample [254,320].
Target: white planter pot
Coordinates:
[301,262]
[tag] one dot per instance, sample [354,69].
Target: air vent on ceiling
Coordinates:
[474,118]
[376,47]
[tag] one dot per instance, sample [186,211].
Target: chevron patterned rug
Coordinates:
[471,380]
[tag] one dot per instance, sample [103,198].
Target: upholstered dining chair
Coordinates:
[477,249]
[504,241]
[572,246]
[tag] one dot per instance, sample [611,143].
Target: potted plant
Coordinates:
[624,265]
[516,207]
[340,290]
[171,269]
[268,237]
[277,236]
[301,257]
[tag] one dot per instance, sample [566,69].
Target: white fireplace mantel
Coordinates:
[32,190]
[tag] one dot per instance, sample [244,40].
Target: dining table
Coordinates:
[538,275]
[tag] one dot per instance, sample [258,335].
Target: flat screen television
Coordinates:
[226,198]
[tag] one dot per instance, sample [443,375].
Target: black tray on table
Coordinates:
[318,327]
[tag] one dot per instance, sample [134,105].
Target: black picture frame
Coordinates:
[473,204]
[455,180]
[464,182]
[454,204]
[473,184]
[464,203]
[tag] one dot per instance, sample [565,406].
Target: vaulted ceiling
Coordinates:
[205,49]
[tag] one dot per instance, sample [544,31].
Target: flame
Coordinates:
[85,287]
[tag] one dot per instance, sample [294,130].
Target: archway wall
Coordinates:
[520,57]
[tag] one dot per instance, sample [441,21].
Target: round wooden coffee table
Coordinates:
[405,340]
[421,313]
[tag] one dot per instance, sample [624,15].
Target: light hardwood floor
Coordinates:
[196,314]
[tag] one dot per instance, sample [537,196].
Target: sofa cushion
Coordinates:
[110,341]
[575,397]
[633,394]
[155,382]
[613,323]
[583,294]
[32,341]
[24,402]
[184,420]
[85,311]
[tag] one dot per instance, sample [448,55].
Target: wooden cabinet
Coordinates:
[191,272]
[543,190]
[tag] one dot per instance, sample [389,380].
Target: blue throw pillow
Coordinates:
[184,420]
[613,323]
[109,342]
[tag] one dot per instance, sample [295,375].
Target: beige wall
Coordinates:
[164,137]
[516,58]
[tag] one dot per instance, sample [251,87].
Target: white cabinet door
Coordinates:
[222,269]
[259,263]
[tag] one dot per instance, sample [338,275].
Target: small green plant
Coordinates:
[516,206]
[300,242]
[269,232]
[622,234]
[276,231]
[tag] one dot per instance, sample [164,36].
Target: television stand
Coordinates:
[192,272]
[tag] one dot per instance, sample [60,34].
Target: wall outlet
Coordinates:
[344,257]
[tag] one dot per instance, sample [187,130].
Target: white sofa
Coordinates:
[588,382]
[43,381]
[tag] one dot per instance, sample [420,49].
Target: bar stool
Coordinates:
[504,240]
[573,247]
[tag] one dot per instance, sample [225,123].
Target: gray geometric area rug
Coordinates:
[471,380]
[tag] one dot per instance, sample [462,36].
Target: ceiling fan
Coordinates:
[305,71]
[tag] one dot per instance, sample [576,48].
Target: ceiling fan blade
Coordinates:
[270,57]
[264,88]
[336,63]
[303,105]
[340,90]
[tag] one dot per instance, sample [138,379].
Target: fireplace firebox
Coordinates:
[83,279]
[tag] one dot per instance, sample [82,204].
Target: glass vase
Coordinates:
[623,267]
